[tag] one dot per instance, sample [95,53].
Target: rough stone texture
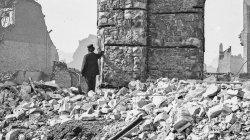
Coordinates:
[110,5]
[123,27]
[171,33]
[122,64]
[23,47]
[67,77]
[176,30]
[173,62]
[174,6]
[245,35]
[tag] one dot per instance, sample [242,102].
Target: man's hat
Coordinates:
[91,46]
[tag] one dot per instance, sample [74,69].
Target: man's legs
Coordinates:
[91,79]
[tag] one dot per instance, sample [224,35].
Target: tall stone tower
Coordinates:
[151,38]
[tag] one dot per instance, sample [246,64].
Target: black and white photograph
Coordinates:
[124,70]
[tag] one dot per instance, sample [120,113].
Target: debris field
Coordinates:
[163,109]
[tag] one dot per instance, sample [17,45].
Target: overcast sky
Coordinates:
[73,20]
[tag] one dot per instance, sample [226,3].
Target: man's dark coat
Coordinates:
[90,64]
[90,69]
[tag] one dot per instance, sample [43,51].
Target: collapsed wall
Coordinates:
[155,38]
[229,63]
[67,77]
[27,45]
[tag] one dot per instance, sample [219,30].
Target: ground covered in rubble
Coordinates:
[84,130]
[165,109]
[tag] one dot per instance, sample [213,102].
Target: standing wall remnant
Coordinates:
[156,38]
[26,45]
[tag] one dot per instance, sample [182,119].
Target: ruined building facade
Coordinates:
[229,63]
[25,43]
[151,38]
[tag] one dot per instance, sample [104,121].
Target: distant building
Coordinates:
[82,50]
[228,62]
[25,43]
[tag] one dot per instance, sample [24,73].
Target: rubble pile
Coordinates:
[5,76]
[42,110]
[175,110]
[155,110]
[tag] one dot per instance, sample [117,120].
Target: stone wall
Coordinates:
[67,77]
[245,34]
[168,37]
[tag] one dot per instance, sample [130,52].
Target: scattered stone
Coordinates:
[246,94]
[91,93]
[76,98]
[183,119]
[216,110]
[13,134]
[212,90]
[230,119]
[161,117]
[233,92]
[123,91]
[171,109]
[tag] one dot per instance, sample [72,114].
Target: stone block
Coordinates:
[174,62]
[161,117]
[136,4]
[109,5]
[182,119]
[119,18]
[216,110]
[123,91]
[176,30]
[246,94]
[193,109]
[147,125]
[122,64]
[13,134]
[120,35]
[76,98]
[112,18]
[212,90]
[171,6]
[231,119]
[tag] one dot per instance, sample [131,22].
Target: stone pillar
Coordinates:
[123,35]
[156,38]
[246,31]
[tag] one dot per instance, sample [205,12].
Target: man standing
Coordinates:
[90,67]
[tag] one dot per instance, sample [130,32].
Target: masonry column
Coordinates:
[246,32]
[122,33]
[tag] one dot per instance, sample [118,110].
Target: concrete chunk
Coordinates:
[230,119]
[183,117]
[161,117]
[12,135]
[216,110]
[212,90]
